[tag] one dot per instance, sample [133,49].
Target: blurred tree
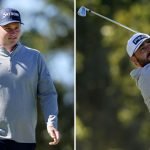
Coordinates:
[111,114]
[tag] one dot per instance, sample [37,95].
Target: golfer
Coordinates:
[138,49]
[24,79]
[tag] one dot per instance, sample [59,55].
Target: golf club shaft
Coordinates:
[115,22]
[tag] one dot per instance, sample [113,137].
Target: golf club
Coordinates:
[82,12]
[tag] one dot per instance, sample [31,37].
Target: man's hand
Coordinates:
[54,133]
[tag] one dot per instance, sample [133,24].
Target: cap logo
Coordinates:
[10,14]
[139,38]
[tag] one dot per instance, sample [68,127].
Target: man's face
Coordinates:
[10,34]
[142,55]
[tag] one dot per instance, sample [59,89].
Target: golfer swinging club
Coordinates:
[24,79]
[138,49]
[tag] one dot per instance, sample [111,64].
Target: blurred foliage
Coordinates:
[57,34]
[111,114]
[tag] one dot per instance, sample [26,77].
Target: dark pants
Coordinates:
[12,145]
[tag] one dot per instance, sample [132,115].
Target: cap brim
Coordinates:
[5,23]
[140,44]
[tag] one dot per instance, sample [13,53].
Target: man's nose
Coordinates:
[12,32]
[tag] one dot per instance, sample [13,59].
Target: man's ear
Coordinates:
[135,61]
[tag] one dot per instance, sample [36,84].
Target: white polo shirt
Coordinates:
[142,78]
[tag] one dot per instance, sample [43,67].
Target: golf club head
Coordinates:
[82,11]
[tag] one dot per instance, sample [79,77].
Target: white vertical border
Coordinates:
[74,74]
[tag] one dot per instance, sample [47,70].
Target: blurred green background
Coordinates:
[111,114]
[49,27]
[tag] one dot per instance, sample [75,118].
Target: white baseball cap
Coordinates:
[135,42]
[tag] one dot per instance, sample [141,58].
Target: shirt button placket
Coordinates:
[9,64]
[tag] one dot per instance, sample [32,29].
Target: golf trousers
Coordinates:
[12,145]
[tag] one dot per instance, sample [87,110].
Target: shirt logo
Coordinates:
[139,38]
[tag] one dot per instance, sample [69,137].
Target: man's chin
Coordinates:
[145,63]
[148,59]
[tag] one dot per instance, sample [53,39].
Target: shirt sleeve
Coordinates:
[47,93]
[144,83]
